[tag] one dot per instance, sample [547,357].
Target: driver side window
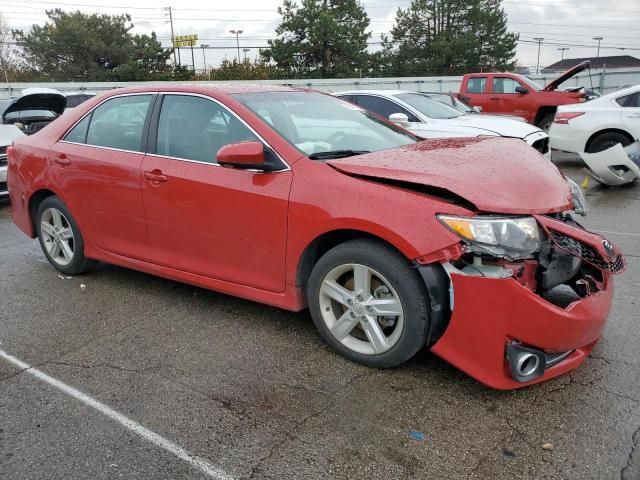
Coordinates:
[383,107]
[505,85]
[119,123]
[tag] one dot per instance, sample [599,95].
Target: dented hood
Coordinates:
[498,175]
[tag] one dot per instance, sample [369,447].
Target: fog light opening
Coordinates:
[527,364]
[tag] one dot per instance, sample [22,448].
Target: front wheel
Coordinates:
[60,238]
[545,123]
[369,304]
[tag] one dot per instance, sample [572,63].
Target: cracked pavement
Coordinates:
[252,389]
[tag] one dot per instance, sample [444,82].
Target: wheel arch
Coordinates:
[607,130]
[543,111]
[35,200]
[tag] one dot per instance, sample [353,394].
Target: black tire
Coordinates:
[78,263]
[607,140]
[545,122]
[401,276]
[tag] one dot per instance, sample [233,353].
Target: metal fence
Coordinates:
[602,81]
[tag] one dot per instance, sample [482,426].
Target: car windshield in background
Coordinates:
[452,102]
[428,106]
[532,83]
[323,126]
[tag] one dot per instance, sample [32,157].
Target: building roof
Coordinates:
[614,61]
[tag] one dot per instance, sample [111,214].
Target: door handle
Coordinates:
[634,115]
[155,176]
[62,160]
[494,98]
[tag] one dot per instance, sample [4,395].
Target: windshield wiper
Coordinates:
[336,154]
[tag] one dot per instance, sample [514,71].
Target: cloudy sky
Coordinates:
[568,24]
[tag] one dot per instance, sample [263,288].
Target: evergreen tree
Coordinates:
[320,38]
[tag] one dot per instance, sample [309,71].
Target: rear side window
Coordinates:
[195,128]
[629,101]
[119,123]
[78,134]
[476,84]
[383,107]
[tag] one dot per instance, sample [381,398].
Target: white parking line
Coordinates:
[618,233]
[167,445]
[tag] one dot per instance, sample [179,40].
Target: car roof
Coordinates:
[375,92]
[205,88]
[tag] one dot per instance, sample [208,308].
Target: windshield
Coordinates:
[316,123]
[429,107]
[451,101]
[532,83]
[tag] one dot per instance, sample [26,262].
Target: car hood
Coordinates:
[497,175]
[8,133]
[502,126]
[553,84]
[39,99]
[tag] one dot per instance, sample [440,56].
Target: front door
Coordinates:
[223,223]
[97,166]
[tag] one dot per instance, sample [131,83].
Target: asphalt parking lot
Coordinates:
[235,388]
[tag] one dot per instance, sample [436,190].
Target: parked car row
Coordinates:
[299,199]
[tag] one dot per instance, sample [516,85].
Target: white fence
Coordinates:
[604,82]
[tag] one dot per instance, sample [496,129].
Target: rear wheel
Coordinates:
[369,304]
[60,238]
[607,140]
[545,122]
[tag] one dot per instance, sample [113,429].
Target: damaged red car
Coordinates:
[468,247]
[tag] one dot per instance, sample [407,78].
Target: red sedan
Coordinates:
[296,198]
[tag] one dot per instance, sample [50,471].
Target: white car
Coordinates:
[8,133]
[597,125]
[429,118]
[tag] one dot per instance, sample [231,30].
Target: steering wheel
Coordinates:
[335,138]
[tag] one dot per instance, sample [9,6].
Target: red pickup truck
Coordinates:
[517,95]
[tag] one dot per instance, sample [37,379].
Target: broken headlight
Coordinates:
[580,205]
[509,237]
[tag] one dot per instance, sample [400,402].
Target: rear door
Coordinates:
[475,92]
[223,223]
[96,166]
[630,113]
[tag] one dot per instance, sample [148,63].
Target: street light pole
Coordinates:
[204,58]
[562,50]
[599,39]
[246,50]
[173,37]
[237,33]
[539,40]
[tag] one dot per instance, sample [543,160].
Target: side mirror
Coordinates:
[400,119]
[477,109]
[247,155]
[521,89]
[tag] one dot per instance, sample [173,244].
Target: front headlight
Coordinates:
[511,237]
[580,205]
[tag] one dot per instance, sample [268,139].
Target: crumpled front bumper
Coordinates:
[489,313]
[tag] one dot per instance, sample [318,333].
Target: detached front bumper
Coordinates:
[490,313]
[496,318]
[4,192]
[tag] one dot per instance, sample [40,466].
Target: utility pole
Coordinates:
[193,60]
[173,37]
[562,50]
[539,40]
[246,50]
[237,33]
[204,46]
[599,39]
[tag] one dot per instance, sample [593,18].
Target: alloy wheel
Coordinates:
[57,236]
[361,309]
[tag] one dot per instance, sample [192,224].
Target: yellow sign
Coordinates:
[186,40]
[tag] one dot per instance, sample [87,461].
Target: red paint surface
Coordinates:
[246,233]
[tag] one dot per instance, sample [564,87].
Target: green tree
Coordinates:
[248,69]
[448,37]
[75,45]
[323,38]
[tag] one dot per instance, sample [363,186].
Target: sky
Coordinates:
[568,24]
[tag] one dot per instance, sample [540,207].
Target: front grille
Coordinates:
[3,187]
[3,160]
[586,253]
[541,145]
